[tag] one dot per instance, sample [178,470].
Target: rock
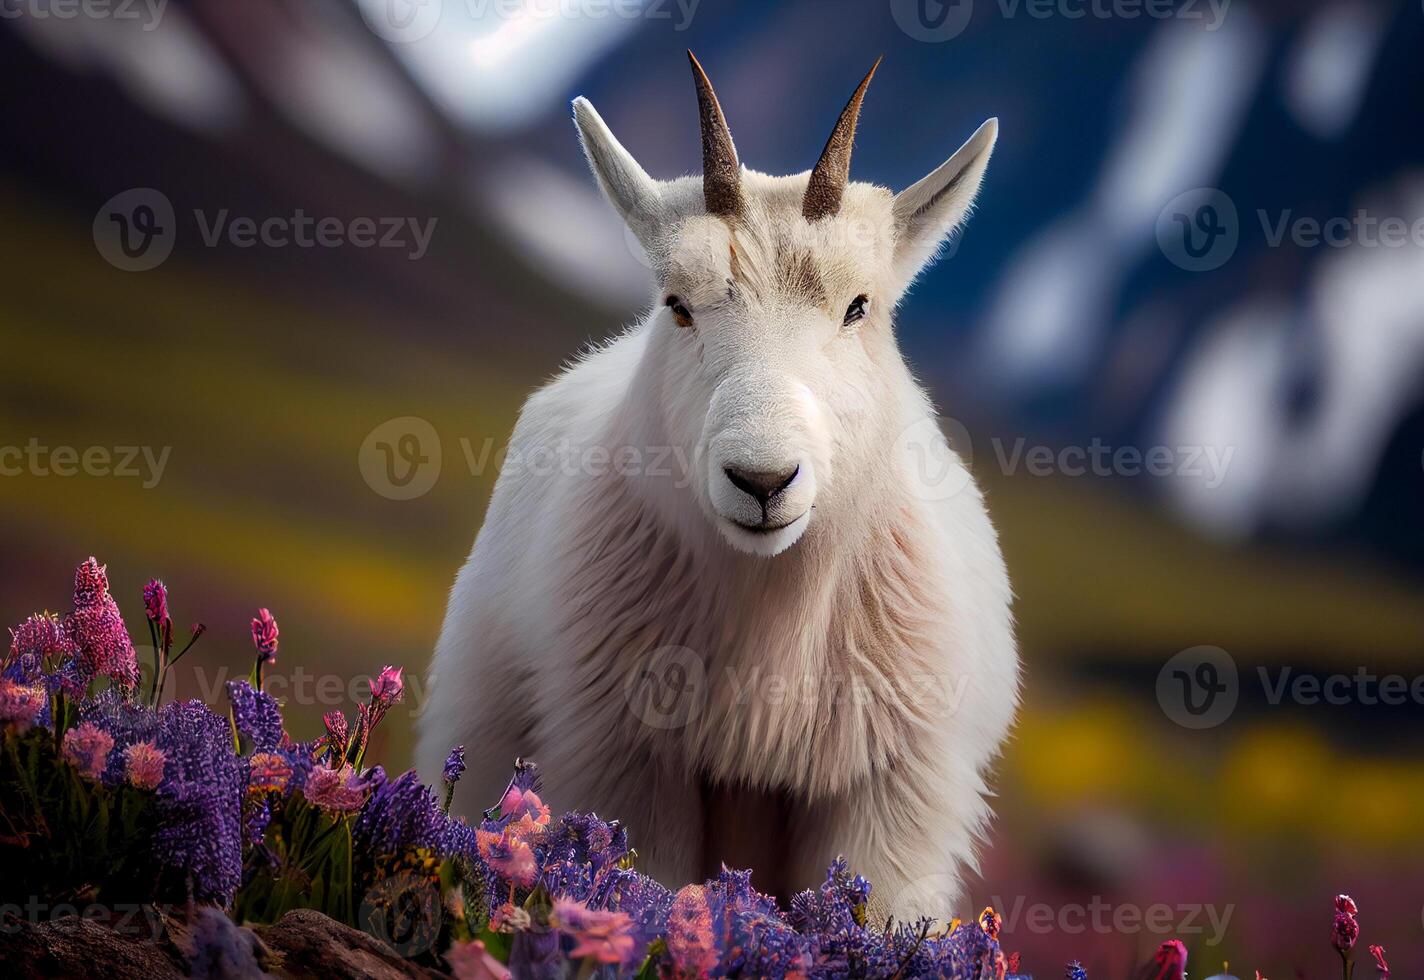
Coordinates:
[80,947]
[305,943]
[302,944]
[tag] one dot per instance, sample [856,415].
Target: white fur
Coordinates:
[851,674]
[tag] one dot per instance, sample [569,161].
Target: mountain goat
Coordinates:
[718,593]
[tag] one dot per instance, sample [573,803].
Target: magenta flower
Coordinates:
[97,629]
[87,749]
[20,705]
[264,636]
[155,601]
[603,936]
[339,790]
[472,961]
[336,730]
[1170,963]
[143,765]
[388,688]
[1346,929]
[40,637]
[1380,964]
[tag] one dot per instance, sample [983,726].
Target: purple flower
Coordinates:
[127,722]
[200,801]
[155,601]
[454,765]
[264,636]
[400,813]
[1076,971]
[256,716]
[143,765]
[87,747]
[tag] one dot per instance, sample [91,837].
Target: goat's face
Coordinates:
[775,367]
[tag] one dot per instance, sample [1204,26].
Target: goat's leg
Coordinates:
[904,835]
[657,801]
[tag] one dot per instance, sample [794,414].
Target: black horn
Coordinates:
[721,171]
[828,179]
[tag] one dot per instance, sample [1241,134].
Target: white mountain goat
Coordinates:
[716,594]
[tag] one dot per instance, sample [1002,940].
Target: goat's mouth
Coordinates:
[765,528]
[765,540]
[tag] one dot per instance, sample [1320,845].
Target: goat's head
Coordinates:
[771,358]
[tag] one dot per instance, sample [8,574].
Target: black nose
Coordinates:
[761,484]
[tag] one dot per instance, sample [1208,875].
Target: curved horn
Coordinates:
[828,180]
[721,171]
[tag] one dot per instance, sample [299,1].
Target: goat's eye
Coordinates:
[680,312]
[856,310]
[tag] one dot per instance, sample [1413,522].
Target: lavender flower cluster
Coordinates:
[234,814]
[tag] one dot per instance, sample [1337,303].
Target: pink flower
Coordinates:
[603,936]
[20,705]
[471,961]
[689,932]
[520,804]
[509,855]
[143,765]
[388,688]
[40,637]
[264,635]
[97,629]
[155,601]
[87,749]
[1380,964]
[339,790]
[270,773]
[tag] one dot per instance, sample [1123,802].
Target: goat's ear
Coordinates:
[627,185]
[929,211]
